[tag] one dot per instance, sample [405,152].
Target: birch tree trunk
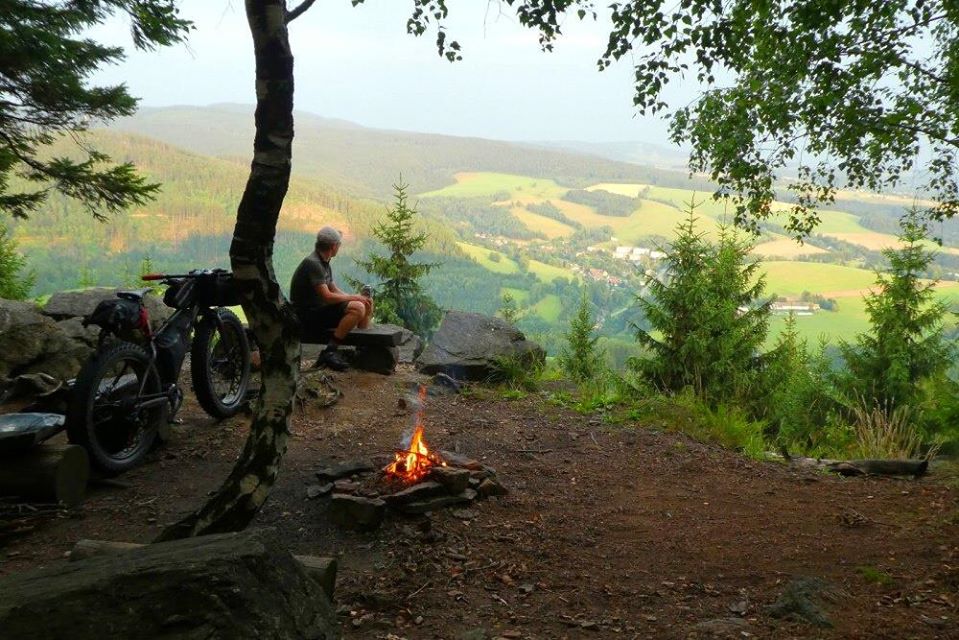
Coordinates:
[271,318]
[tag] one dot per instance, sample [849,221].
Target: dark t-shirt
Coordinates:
[313,271]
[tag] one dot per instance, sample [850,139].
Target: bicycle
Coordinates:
[128,388]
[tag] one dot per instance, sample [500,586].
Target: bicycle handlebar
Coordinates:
[151,277]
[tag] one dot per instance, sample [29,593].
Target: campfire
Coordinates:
[415,462]
[418,480]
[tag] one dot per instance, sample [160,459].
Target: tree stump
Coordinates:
[47,473]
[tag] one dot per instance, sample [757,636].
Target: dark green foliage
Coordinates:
[508,310]
[399,295]
[581,359]
[604,202]
[905,344]
[46,63]
[14,283]
[799,399]
[707,320]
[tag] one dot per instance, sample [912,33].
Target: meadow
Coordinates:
[656,217]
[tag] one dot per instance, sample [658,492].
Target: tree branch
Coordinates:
[299,10]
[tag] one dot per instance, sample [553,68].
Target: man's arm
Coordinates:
[331,295]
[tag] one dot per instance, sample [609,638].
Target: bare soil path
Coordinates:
[616,531]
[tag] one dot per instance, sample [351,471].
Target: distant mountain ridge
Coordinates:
[366,162]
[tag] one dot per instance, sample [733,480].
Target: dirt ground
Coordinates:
[610,530]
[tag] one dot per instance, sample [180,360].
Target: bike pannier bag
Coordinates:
[116,315]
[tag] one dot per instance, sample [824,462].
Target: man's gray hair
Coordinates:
[327,237]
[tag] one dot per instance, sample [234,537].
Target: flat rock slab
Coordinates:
[217,587]
[439,502]
[417,492]
[343,469]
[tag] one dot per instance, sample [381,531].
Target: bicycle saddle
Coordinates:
[133,294]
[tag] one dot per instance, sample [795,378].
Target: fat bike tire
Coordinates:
[220,364]
[102,415]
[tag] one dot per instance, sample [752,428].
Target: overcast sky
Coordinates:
[358,63]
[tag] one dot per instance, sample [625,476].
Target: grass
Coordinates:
[787,278]
[844,324]
[474,184]
[548,272]
[783,248]
[504,265]
[630,190]
[519,295]
[548,308]
[875,576]
[724,425]
[552,229]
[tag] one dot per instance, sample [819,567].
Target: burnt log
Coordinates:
[47,473]
[230,586]
[915,468]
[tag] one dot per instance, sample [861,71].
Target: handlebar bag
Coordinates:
[180,293]
[217,290]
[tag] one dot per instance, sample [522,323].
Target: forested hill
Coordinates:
[365,162]
[188,225]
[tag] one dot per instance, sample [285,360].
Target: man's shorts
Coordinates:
[325,317]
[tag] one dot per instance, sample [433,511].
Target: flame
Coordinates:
[416,461]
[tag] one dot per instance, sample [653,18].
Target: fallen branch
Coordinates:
[913,468]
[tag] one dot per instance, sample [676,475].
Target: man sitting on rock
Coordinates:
[319,302]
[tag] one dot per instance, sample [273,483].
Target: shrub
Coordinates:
[581,359]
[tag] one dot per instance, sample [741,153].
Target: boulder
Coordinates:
[411,346]
[74,329]
[77,304]
[227,586]
[467,346]
[30,342]
[355,512]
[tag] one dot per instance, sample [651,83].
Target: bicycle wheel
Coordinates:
[106,414]
[220,364]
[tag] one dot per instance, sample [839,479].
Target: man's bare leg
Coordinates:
[355,313]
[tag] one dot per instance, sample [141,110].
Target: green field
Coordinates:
[535,222]
[519,295]
[472,185]
[482,256]
[786,278]
[549,308]
[548,272]
[846,323]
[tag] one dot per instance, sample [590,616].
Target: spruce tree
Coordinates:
[14,283]
[46,61]
[707,321]
[905,342]
[580,359]
[399,295]
[508,310]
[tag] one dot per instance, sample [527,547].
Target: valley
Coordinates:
[538,224]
